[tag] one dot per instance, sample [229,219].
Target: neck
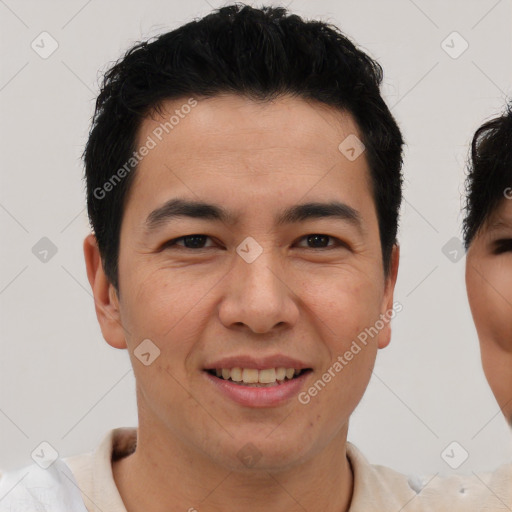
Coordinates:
[170,472]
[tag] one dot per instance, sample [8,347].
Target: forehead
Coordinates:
[233,124]
[296,119]
[230,144]
[500,217]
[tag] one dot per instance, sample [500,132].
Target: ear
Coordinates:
[387,301]
[106,300]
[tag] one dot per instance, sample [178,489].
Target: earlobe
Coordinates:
[387,303]
[106,301]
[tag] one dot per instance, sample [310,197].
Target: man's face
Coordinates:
[489,285]
[281,294]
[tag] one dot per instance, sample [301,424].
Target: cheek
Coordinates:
[345,311]
[171,310]
[490,295]
[167,306]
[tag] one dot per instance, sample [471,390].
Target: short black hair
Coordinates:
[258,53]
[490,172]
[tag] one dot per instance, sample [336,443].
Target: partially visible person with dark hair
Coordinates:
[487,229]
[488,239]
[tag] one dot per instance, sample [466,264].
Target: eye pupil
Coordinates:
[318,240]
[195,241]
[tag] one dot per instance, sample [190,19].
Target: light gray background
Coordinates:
[59,380]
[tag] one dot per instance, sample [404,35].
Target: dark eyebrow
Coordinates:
[298,213]
[185,208]
[498,224]
[306,211]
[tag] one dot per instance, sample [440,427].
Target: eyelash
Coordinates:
[501,246]
[173,242]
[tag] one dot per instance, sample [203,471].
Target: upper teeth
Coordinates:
[251,375]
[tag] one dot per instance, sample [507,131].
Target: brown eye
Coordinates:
[321,241]
[189,242]
[501,246]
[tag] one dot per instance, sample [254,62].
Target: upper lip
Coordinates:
[258,363]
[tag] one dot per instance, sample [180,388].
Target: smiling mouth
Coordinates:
[258,378]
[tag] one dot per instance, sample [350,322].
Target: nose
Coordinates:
[258,296]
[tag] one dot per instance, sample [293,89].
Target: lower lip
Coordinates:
[250,396]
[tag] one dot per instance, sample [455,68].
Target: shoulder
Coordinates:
[378,488]
[93,470]
[376,485]
[116,443]
[476,492]
[66,482]
[34,487]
